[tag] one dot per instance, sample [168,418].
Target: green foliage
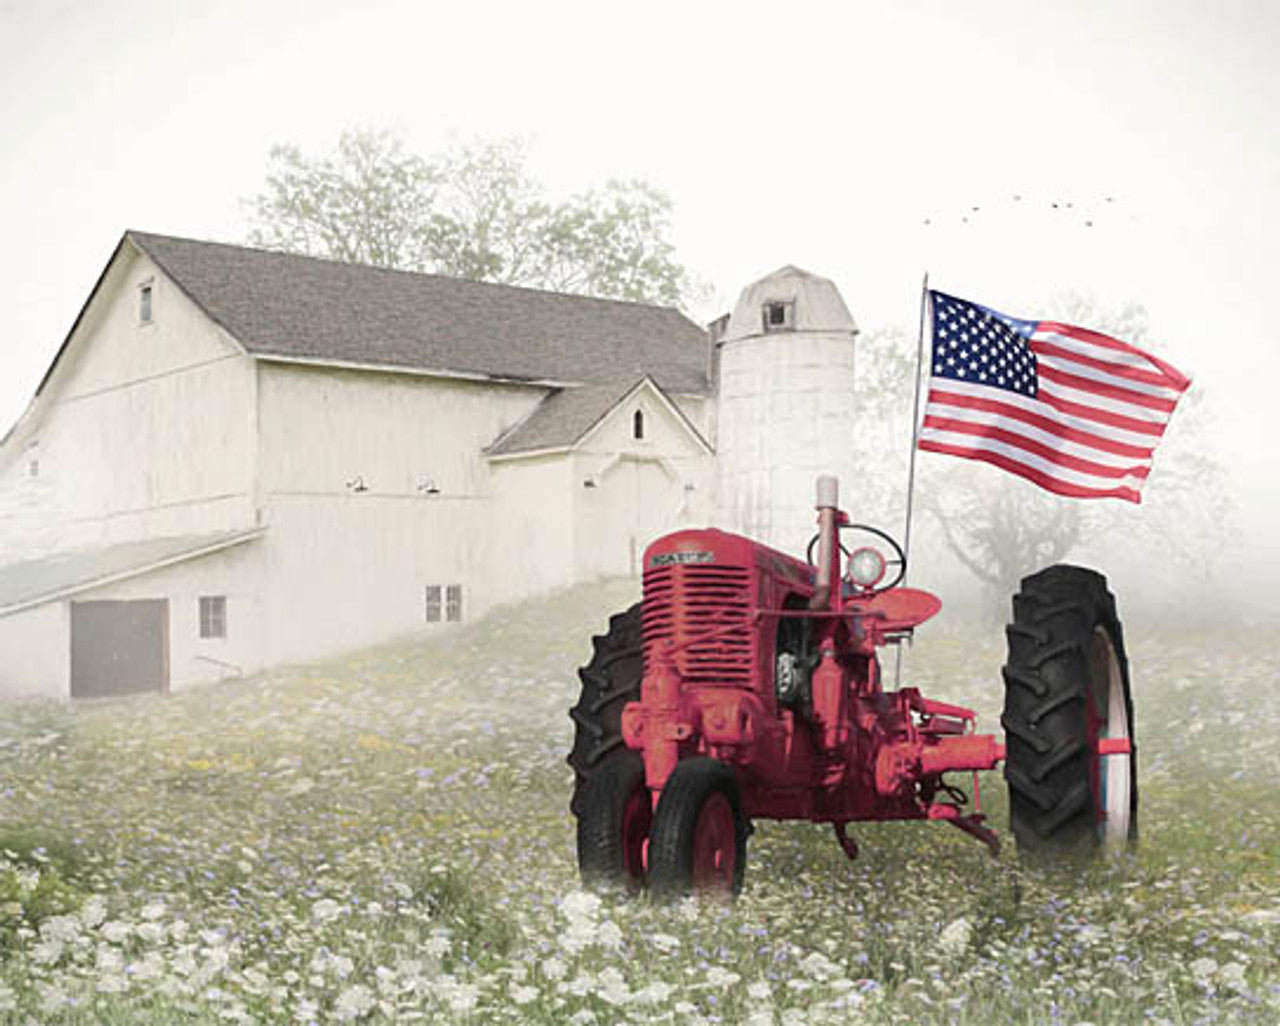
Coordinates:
[34,884]
[473,211]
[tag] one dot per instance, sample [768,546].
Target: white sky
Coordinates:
[817,134]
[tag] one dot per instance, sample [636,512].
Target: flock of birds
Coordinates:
[1060,205]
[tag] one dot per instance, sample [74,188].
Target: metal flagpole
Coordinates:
[915,434]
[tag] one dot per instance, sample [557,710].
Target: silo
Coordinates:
[785,407]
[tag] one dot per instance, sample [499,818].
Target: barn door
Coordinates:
[119,648]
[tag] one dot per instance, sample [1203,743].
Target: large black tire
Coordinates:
[1066,684]
[609,682]
[614,824]
[697,829]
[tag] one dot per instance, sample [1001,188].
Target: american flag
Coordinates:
[1075,411]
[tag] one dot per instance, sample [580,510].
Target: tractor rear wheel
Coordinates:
[1067,690]
[614,824]
[699,836]
[609,682]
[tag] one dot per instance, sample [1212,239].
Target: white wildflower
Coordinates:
[117,931]
[760,1017]
[719,976]
[150,967]
[8,999]
[553,969]
[93,911]
[353,1002]
[609,936]
[47,952]
[116,984]
[1203,968]
[759,991]
[52,998]
[817,965]
[152,933]
[581,985]
[1232,974]
[583,1017]
[955,936]
[612,988]
[325,909]
[665,943]
[153,911]
[437,945]
[60,928]
[521,994]
[654,993]
[579,905]
[462,997]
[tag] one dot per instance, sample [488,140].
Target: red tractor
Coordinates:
[747,684]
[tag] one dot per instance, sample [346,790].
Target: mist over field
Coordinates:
[386,838]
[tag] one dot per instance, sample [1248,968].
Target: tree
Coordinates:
[1000,527]
[473,211]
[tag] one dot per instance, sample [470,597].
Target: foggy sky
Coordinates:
[823,135]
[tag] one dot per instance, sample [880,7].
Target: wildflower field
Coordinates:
[386,838]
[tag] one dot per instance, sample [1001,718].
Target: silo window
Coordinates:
[637,425]
[779,316]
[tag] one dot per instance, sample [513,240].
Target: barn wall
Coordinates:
[533,525]
[322,428]
[350,567]
[643,488]
[236,573]
[144,430]
[35,653]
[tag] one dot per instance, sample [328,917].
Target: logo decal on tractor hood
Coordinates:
[670,558]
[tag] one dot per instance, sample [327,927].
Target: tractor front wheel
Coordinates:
[1068,717]
[699,836]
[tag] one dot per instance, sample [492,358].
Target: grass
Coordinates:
[386,839]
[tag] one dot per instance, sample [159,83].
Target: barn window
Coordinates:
[637,425]
[453,603]
[433,603]
[33,468]
[779,315]
[144,304]
[213,616]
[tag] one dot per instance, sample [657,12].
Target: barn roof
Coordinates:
[565,417]
[62,574]
[297,307]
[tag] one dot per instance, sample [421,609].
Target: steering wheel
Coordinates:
[900,562]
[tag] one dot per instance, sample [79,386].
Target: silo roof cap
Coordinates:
[814,303]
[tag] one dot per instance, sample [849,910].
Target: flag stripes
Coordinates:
[1075,411]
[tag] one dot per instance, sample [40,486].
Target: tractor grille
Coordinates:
[685,602]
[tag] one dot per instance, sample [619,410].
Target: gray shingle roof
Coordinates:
[305,308]
[65,573]
[560,419]
[565,416]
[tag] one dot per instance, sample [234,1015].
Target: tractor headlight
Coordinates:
[866,567]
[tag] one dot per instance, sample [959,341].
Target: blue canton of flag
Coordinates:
[981,346]
[1074,410]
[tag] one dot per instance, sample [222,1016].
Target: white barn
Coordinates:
[241,458]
